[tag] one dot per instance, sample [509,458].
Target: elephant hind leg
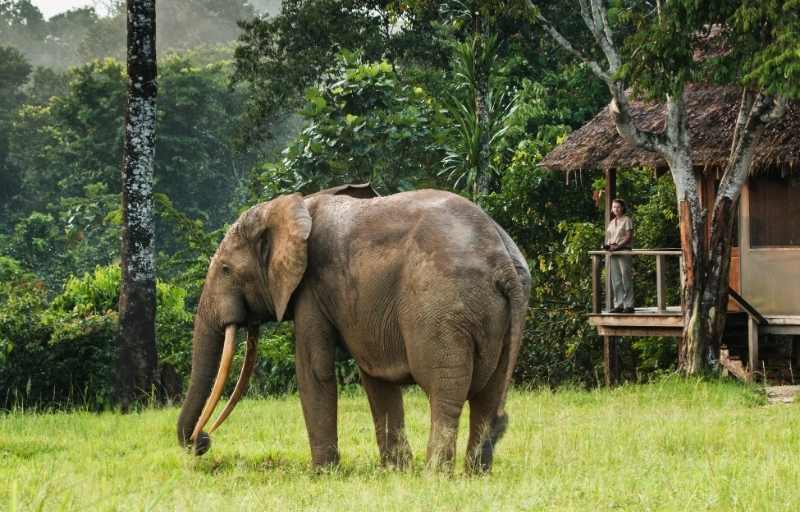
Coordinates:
[441,357]
[445,414]
[447,395]
[487,420]
[386,403]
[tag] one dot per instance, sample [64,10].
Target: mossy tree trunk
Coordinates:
[138,359]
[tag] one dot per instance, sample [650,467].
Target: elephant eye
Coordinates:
[226,270]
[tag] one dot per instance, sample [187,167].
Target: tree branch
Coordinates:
[620,112]
[605,38]
[586,14]
[676,130]
[745,105]
[565,44]
[594,17]
[756,112]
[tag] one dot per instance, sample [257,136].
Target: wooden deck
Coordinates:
[667,321]
[782,324]
[643,322]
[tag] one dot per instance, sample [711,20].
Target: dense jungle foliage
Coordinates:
[367,90]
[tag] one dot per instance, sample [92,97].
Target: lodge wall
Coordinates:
[769,235]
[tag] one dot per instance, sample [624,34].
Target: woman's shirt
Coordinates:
[618,230]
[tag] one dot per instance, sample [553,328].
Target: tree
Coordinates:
[137,303]
[14,71]
[80,35]
[21,23]
[52,43]
[197,165]
[479,109]
[657,58]
[71,140]
[420,39]
[279,57]
[363,124]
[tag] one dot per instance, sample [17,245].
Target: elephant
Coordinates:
[420,287]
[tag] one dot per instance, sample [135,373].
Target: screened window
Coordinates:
[774,211]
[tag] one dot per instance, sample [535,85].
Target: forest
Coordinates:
[249,107]
[179,146]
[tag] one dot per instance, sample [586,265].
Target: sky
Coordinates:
[53,7]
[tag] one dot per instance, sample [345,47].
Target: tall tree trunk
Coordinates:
[484,178]
[137,303]
[705,286]
[707,265]
[692,219]
[692,227]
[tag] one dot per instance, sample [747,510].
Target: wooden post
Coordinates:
[795,353]
[661,304]
[611,193]
[610,357]
[609,288]
[680,278]
[610,360]
[595,284]
[752,347]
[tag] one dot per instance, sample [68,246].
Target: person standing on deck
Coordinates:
[619,237]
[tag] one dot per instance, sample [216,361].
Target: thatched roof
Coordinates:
[712,115]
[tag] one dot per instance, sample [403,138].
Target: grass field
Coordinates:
[671,445]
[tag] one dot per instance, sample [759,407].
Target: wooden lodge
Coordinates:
[765,260]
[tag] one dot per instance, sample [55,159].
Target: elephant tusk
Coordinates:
[244,377]
[219,383]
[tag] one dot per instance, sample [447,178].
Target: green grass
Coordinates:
[672,445]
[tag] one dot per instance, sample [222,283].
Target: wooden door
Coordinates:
[735,276]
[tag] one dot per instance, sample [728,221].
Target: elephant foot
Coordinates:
[201,444]
[481,455]
[442,448]
[401,463]
[399,457]
[325,457]
[479,464]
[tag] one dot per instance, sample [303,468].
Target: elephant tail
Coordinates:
[515,283]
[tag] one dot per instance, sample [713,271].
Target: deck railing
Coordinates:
[660,255]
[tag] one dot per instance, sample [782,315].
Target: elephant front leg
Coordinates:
[316,379]
[386,403]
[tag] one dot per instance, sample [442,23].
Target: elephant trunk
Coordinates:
[207,347]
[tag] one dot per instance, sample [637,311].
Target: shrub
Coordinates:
[274,373]
[64,351]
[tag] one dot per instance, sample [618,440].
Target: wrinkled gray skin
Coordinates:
[420,287]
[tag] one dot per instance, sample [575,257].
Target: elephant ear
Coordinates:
[285,224]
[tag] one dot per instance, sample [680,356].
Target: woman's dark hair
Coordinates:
[621,202]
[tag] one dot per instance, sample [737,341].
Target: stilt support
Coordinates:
[611,360]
